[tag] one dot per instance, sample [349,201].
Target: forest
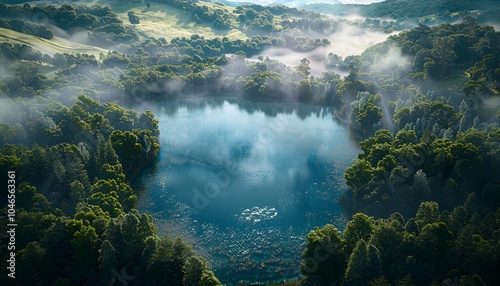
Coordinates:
[423,106]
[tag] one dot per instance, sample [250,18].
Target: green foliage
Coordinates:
[401,9]
[368,116]
[86,232]
[104,26]
[426,146]
[427,213]
[364,264]
[324,256]
[360,228]
[435,153]
[107,259]
[127,147]
[434,251]
[84,245]
[404,171]
[27,27]
[32,259]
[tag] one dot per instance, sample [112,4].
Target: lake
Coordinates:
[245,182]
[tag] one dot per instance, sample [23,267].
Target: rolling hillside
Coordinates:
[50,47]
[161,20]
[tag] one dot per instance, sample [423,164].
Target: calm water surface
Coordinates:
[245,182]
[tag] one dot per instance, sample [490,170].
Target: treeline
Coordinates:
[256,18]
[28,78]
[413,9]
[104,26]
[453,64]
[408,14]
[395,173]
[262,19]
[27,27]
[428,125]
[186,63]
[423,105]
[74,163]
[197,63]
[75,209]
[279,10]
[219,18]
[432,247]
[230,76]
[425,12]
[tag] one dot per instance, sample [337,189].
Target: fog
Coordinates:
[392,61]
[292,58]
[495,25]
[4,109]
[354,40]
[30,113]
[5,72]
[80,37]
[347,40]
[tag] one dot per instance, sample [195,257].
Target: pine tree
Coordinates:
[364,264]
[107,259]
[193,269]
[360,227]
[324,255]
[84,248]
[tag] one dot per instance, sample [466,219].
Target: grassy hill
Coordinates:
[161,20]
[55,45]
[108,26]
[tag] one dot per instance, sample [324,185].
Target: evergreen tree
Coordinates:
[364,265]
[107,260]
[360,227]
[324,256]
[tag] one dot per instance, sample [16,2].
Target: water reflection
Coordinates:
[271,109]
[246,181]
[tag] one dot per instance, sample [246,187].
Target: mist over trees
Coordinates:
[75,207]
[431,247]
[103,25]
[397,13]
[428,171]
[424,193]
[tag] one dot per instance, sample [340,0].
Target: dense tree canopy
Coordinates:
[423,106]
[422,250]
[75,207]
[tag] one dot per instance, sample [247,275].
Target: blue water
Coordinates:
[245,182]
